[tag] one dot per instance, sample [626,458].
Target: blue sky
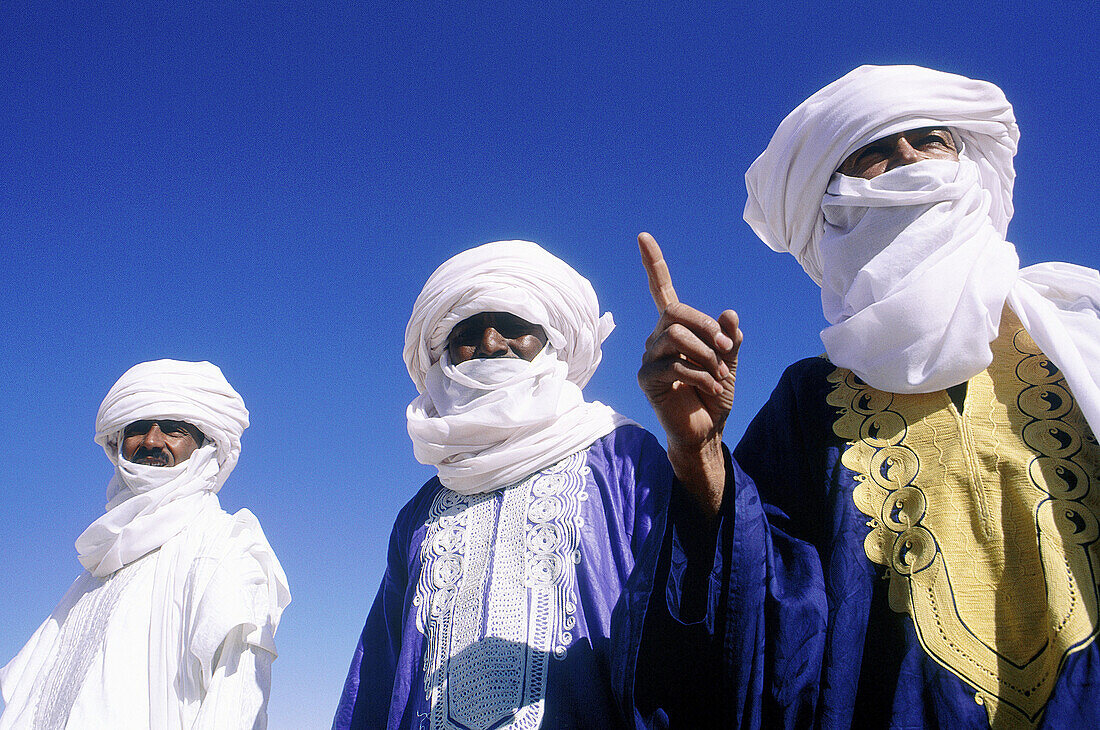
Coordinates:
[268,185]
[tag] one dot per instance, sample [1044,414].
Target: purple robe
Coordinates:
[496,610]
[807,635]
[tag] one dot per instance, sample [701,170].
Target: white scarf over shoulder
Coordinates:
[913,264]
[488,423]
[205,573]
[146,505]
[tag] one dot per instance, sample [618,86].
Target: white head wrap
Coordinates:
[147,505]
[488,423]
[913,264]
[786,182]
[154,629]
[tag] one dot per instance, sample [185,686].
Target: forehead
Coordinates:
[913,131]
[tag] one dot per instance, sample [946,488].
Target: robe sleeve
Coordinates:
[239,687]
[248,590]
[365,700]
[738,640]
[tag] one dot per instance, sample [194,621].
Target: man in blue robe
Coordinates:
[907,534]
[504,570]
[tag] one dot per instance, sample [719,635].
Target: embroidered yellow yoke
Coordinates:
[985,519]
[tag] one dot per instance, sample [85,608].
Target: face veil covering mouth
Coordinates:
[147,505]
[487,423]
[914,266]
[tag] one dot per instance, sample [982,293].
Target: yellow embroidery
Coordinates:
[985,520]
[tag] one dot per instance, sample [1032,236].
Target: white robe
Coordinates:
[217,659]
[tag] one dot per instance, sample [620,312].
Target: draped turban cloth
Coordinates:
[487,423]
[171,577]
[914,266]
[147,505]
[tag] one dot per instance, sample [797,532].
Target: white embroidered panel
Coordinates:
[496,597]
[81,639]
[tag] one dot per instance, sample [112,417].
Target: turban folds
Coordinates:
[195,392]
[488,423]
[517,277]
[786,182]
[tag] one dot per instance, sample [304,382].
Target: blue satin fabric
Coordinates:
[807,636]
[623,524]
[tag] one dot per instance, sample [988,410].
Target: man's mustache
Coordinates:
[159,456]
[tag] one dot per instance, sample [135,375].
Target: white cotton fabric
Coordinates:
[147,504]
[788,180]
[138,639]
[913,264]
[488,423]
[918,234]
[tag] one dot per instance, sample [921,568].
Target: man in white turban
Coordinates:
[172,624]
[909,526]
[504,570]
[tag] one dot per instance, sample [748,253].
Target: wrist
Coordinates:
[701,469]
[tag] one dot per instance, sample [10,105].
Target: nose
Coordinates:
[903,154]
[492,344]
[154,437]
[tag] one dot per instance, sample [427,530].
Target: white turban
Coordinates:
[786,182]
[518,277]
[914,266]
[488,423]
[194,392]
[175,588]
[148,505]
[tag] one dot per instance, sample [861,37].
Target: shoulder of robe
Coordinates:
[808,369]
[630,441]
[242,584]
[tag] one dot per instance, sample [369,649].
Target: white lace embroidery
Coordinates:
[82,635]
[496,597]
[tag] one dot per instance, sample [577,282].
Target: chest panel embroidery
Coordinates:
[985,520]
[496,597]
[81,639]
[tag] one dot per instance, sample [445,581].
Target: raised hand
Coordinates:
[688,373]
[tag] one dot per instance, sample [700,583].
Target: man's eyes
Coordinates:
[868,157]
[143,427]
[514,332]
[508,332]
[934,139]
[463,338]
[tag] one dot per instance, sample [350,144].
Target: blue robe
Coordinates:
[497,608]
[807,636]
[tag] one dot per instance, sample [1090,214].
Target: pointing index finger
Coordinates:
[656,271]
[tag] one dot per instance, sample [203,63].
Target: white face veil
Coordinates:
[147,505]
[787,182]
[913,264]
[174,584]
[485,424]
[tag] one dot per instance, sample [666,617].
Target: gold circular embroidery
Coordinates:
[1052,438]
[903,509]
[1061,478]
[1045,401]
[914,550]
[893,467]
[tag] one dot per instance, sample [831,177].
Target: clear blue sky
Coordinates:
[267,186]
